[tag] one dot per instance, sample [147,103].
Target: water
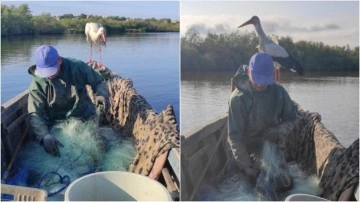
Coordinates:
[150,60]
[204,97]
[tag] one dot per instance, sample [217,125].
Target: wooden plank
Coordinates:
[13,114]
[16,123]
[168,180]
[218,143]
[5,139]
[13,105]
[170,184]
[174,161]
[197,149]
[4,158]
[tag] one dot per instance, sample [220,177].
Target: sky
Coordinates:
[330,22]
[334,23]
[130,9]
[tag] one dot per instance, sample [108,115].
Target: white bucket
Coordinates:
[116,186]
[304,197]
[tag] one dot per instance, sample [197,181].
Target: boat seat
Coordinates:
[19,193]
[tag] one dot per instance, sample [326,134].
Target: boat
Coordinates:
[15,129]
[205,156]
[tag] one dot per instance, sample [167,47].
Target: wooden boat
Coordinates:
[15,130]
[202,157]
[205,152]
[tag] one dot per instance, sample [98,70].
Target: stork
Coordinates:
[95,33]
[277,52]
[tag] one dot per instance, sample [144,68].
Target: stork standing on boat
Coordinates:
[95,33]
[278,53]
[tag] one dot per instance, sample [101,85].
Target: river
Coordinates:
[151,60]
[204,98]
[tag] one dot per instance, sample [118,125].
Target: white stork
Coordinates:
[95,33]
[278,53]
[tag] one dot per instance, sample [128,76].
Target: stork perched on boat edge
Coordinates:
[95,33]
[277,52]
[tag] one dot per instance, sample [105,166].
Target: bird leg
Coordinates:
[90,61]
[277,74]
[100,64]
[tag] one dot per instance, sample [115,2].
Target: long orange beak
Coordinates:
[103,39]
[246,23]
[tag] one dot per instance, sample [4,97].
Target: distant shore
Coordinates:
[227,52]
[20,21]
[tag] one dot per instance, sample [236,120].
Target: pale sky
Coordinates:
[330,22]
[131,9]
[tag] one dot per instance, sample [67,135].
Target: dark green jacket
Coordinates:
[64,96]
[252,113]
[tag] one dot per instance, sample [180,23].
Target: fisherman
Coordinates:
[259,110]
[58,91]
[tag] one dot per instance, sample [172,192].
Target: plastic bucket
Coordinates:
[304,197]
[116,186]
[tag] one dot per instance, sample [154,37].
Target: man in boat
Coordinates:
[58,91]
[259,111]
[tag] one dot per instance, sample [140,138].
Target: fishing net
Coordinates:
[120,154]
[235,188]
[87,149]
[317,150]
[276,180]
[131,115]
[274,175]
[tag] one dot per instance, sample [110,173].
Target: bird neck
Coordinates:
[260,32]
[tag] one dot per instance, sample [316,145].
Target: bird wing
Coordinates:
[276,50]
[273,38]
[87,30]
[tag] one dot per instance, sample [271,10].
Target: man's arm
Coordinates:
[236,127]
[37,116]
[93,79]
[97,84]
[287,116]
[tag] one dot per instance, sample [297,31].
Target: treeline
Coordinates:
[20,21]
[216,52]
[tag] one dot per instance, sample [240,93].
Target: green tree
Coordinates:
[47,24]
[16,20]
[229,51]
[67,16]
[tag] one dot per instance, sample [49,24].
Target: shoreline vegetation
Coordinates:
[19,21]
[227,52]
[213,52]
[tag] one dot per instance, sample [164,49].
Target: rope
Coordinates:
[63,179]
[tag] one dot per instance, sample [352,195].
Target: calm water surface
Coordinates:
[150,60]
[204,97]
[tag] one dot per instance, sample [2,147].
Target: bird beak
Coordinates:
[103,39]
[246,23]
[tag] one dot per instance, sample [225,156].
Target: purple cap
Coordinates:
[262,68]
[46,58]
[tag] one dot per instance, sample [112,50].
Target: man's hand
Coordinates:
[252,172]
[273,134]
[51,144]
[102,100]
